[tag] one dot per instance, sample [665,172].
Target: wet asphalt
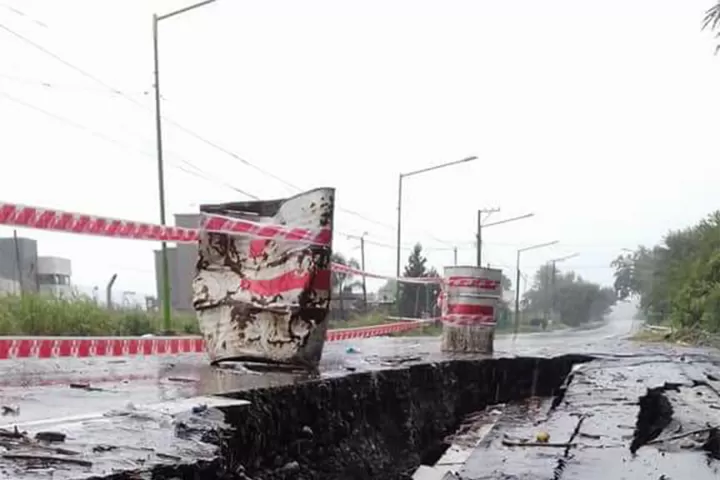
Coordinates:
[38,390]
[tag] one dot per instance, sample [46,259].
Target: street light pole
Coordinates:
[161,173]
[480,226]
[362,266]
[552,279]
[478,240]
[517,279]
[399,205]
[399,220]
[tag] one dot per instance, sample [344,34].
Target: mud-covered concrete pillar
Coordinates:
[469,304]
[263,281]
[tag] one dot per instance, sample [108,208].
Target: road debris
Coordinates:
[47,459]
[4,433]
[521,443]
[182,379]
[692,433]
[86,387]
[13,410]
[50,436]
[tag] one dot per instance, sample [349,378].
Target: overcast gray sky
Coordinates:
[600,117]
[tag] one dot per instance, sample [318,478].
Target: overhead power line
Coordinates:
[196,171]
[186,130]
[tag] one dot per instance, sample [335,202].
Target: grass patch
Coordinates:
[651,337]
[373,319]
[361,321]
[48,315]
[427,330]
[687,336]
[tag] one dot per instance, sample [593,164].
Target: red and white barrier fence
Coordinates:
[84,347]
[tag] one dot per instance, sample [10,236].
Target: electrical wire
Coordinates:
[197,172]
[70,88]
[185,129]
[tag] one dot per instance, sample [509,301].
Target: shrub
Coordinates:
[32,314]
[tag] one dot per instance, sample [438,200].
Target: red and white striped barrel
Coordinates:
[469,302]
[474,280]
[471,295]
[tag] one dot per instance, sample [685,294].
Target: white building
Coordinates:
[53,276]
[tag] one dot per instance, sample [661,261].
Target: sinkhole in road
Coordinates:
[380,424]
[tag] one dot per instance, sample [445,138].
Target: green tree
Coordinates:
[677,280]
[575,300]
[712,20]
[506,282]
[343,282]
[387,292]
[418,298]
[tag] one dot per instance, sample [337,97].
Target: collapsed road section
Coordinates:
[639,415]
[371,424]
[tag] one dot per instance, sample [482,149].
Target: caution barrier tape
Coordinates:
[83,224]
[17,215]
[84,347]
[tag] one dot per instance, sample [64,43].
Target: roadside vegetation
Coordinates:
[80,316]
[566,298]
[677,281]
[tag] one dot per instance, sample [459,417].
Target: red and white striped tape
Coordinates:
[70,222]
[24,216]
[83,347]
[340,268]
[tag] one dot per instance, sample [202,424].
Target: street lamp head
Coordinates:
[539,245]
[437,167]
[562,259]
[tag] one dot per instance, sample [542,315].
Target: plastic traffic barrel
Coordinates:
[470,303]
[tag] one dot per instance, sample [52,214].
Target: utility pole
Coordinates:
[488,211]
[362,266]
[108,291]
[18,262]
[161,181]
[517,279]
[161,174]
[455,255]
[399,204]
[553,276]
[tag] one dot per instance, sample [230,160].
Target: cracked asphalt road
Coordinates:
[43,389]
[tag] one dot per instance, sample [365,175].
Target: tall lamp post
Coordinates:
[552,278]
[517,278]
[161,174]
[399,206]
[362,266]
[480,226]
